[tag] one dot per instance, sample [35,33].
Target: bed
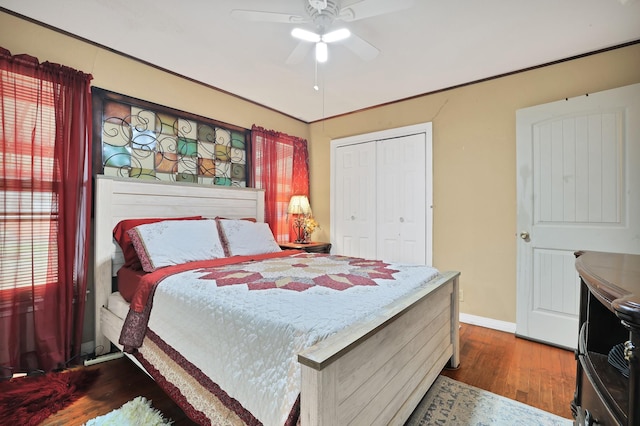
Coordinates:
[374,370]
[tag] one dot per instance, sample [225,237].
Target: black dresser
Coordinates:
[609,340]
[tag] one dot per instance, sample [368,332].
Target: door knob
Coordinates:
[524,235]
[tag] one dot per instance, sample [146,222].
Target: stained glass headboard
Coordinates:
[139,139]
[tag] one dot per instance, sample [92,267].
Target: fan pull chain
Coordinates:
[315,78]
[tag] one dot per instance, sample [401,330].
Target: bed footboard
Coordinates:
[378,371]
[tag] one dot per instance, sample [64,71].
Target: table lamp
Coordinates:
[300,208]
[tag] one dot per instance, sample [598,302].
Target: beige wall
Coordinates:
[473,143]
[474,151]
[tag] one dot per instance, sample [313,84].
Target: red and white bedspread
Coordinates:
[235,330]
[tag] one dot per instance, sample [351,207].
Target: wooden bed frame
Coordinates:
[374,372]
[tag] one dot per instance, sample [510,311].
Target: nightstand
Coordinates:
[308,247]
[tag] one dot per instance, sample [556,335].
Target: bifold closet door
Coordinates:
[401,199]
[355,200]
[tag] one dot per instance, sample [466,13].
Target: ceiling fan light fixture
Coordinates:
[305,35]
[318,5]
[322,52]
[337,35]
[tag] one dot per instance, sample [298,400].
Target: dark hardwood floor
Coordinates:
[120,381]
[529,372]
[533,373]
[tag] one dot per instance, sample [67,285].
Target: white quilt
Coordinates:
[246,337]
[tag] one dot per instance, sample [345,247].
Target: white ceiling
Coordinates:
[435,44]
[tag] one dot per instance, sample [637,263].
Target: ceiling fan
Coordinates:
[323,14]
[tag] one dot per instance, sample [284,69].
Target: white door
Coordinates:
[578,184]
[402,207]
[381,190]
[355,200]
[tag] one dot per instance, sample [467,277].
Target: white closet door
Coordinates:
[355,200]
[401,199]
[381,195]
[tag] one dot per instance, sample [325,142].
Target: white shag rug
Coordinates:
[449,402]
[138,411]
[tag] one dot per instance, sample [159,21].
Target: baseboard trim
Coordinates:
[509,327]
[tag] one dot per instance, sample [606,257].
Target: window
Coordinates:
[45,206]
[281,168]
[281,185]
[28,210]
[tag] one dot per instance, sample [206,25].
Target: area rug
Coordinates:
[450,402]
[138,411]
[30,400]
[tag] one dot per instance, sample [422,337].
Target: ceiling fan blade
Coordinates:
[305,35]
[261,16]
[336,35]
[299,53]
[368,8]
[360,47]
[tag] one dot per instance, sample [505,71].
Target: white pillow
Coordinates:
[173,242]
[243,237]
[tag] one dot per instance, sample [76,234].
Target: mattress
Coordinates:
[118,305]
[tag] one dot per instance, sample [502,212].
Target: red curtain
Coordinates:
[45,202]
[281,168]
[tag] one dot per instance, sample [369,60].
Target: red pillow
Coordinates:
[121,236]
